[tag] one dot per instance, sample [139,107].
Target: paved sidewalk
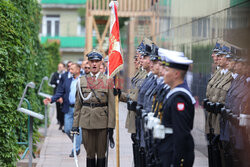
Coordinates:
[57,147]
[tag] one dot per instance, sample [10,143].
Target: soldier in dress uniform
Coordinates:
[94,111]
[177,147]
[131,100]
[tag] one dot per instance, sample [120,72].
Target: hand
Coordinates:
[111,139]
[47,101]
[117,92]
[60,100]
[74,130]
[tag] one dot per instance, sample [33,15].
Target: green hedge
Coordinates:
[22,59]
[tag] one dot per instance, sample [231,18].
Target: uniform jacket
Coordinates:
[133,94]
[211,82]
[178,114]
[95,117]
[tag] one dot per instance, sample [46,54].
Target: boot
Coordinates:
[101,162]
[91,162]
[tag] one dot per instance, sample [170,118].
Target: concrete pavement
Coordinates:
[57,146]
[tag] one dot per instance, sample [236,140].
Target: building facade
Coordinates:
[62,21]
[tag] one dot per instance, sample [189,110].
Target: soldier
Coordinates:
[94,111]
[209,127]
[217,95]
[131,100]
[177,148]
[150,78]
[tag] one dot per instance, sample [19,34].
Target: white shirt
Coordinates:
[234,75]
[150,72]
[248,79]
[159,80]
[223,71]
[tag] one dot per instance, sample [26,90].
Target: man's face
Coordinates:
[238,67]
[215,58]
[169,76]
[248,70]
[146,62]
[140,59]
[223,61]
[102,68]
[74,70]
[162,70]
[60,67]
[245,69]
[83,64]
[156,67]
[68,66]
[230,65]
[87,68]
[95,66]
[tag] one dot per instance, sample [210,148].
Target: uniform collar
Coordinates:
[223,71]
[150,72]
[159,80]
[96,76]
[234,75]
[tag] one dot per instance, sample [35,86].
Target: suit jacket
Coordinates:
[63,91]
[95,117]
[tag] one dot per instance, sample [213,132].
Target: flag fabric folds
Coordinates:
[115,58]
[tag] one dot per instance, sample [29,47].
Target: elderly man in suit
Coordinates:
[68,92]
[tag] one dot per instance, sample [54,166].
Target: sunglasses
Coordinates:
[87,67]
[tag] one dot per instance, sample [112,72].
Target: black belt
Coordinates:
[72,105]
[95,104]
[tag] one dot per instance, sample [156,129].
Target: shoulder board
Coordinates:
[175,90]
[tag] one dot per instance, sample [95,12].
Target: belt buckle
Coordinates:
[91,105]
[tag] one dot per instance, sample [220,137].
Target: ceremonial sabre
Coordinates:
[74,148]
[106,163]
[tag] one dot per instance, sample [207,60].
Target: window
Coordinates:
[201,28]
[81,27]
[51,25]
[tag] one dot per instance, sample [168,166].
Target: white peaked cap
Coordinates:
[175,59]
[164,52]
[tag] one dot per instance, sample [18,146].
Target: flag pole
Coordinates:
[117,125]
[115,65]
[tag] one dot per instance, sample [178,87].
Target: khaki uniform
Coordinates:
[218,93]
[216,76]
[94,116]
[133,94]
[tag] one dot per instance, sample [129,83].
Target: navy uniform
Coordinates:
[177,148]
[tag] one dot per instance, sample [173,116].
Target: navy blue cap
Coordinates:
[141,48]
[230,56]
[154,53]
[147,51]
[224,50]
[216,47]
[94,55]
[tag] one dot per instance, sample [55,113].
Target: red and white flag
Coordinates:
[115,57]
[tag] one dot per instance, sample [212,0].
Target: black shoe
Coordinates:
[63,131]
[101,162]
[60,127]
[91,162]
[72,153]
